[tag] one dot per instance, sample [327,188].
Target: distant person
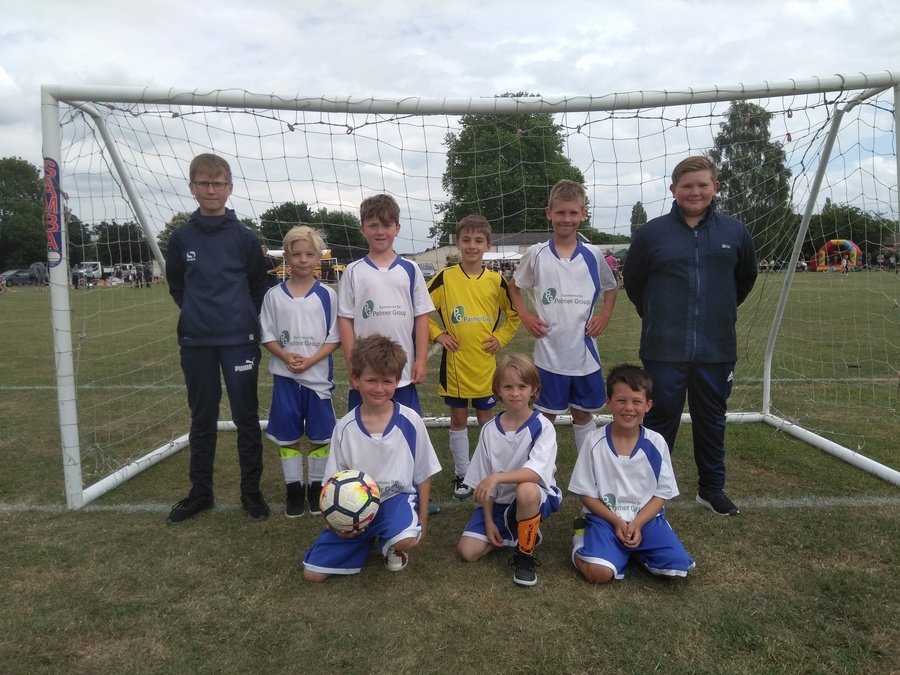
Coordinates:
[477,320]
[687,273]
[880,260]
[568,278]
[892,263]
[623,477]
[613,263]
[299,328]
[273,278]
[40,274]
[512,473]
[3,288]
[217,277]
[845,265]
[388,441]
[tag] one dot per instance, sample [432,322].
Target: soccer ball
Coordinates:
[350,500]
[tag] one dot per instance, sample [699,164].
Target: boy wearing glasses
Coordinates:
[217,276]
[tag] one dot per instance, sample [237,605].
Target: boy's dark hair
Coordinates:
[567,191]
[379,354]
[523,366]
[695,163]
[382,207]
[209,164]
[476,224]
[634,377]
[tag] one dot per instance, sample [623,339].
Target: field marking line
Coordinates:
[683,503]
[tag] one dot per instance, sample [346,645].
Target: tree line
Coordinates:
[501,166]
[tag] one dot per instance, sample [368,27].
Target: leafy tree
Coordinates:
[275,222]
[23,239]
[502,166]
[601,238]
[755,180]
[78,239]
[174,223]
[120,243]
[638,217]
[339,227]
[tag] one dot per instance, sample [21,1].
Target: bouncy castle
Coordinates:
[830,255]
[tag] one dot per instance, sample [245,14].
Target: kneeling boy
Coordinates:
[624,478]
[512,473]
[389,442]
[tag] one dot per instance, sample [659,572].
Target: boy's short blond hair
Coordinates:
[382,207]
[211,165]
[475,224]
[303,233]
[695,163]
[633,377]
[526,370]
[379,354]
[567,191]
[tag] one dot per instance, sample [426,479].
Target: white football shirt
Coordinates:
[532,445]
[625,484]
[385,301]
[301,326]
[398,459]
[565,292]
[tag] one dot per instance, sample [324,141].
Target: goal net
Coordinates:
[810,166]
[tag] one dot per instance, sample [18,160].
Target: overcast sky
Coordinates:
[452,48]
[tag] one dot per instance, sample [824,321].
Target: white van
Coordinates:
[93,268]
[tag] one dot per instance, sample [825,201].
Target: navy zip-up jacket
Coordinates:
[686,284]
[217,275]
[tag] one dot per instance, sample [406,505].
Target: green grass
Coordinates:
[804,580]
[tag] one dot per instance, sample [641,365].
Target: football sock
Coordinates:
[578,536]
[291,465]
[317,459]
[459,448]
[528,532]
[581,433]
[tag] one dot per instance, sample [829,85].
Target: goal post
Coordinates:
[115,162]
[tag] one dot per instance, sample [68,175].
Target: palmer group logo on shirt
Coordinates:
[369,310]
[552,296]
[458,315]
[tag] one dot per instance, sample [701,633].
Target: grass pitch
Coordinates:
[805,580]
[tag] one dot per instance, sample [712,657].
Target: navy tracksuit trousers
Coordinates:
[239,368]
[707,386]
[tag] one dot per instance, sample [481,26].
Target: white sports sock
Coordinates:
[459,448]
[317,468]
[292,465]
[581,432]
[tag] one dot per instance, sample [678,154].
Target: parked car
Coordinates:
[19,277]
[428,269]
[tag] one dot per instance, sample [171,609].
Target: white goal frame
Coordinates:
[80,97]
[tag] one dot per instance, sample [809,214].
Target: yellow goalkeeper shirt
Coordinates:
[471,309]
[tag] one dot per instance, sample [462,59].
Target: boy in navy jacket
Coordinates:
[217,276]
[686,273]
